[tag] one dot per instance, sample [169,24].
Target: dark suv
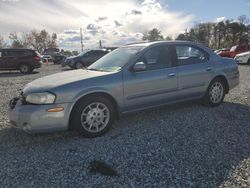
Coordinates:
[25,60]
[84,59]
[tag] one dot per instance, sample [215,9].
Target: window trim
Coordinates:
[193,46]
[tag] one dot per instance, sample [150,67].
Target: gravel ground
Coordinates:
[184,145]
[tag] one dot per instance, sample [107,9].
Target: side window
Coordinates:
[26,53]
[157,58]
[7,54]
[188,55]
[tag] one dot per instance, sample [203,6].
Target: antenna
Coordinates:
[81,39]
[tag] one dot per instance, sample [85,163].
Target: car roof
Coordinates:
[155,43]
[163,42]
[16,49]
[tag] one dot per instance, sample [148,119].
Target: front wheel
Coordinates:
[78,65]
[93,116]
[215,93]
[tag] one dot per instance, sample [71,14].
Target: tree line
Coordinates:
[36,39]
[223,34]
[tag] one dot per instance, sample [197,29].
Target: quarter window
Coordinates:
[188,55]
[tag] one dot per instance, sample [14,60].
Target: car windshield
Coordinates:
[115,60]
[84,52]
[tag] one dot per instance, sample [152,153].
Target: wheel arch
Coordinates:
[224,79]
[94,94]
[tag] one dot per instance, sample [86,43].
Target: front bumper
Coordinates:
[36,118]
[240,60]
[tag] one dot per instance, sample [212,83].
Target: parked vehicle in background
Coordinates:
[130,78]
[221,50]
[25,60]
[84,59]
[59,59]
[234,51]
[243,58]
[46,58]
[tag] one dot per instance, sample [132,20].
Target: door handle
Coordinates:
[209,69]
[171,75]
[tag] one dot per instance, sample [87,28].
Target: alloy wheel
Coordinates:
[216,92]
[95,117]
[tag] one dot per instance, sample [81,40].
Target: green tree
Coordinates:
[168,38]
[224,34]
[16,41]
[153,35]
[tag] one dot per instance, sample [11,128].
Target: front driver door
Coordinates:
[155,85]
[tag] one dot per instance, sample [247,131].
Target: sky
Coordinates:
[115,22]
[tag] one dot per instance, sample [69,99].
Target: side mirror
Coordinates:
[139,66]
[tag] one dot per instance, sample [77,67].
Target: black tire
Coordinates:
[78,65]
[82,115]
[215,99]
[25,68]
[248,62]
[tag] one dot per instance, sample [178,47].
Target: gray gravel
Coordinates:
[184,145]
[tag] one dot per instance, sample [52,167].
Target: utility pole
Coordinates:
[100,44]
[81,39]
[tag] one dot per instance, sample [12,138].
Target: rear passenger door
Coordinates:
[88,58]
[194,71]
[9,59]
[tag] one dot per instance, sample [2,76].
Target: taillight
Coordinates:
[37,58]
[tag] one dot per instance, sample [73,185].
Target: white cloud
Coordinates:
[113,22]
[220,19]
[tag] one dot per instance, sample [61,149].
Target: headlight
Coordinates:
[41,98]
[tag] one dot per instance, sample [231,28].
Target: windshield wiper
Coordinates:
[96,69]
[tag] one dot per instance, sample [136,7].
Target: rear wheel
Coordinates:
[215,93]
[25,68]
[248,62]
[93,116]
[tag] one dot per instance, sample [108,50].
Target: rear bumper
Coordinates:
[234,80]
[36,118]
[37,65]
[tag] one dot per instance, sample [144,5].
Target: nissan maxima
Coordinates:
[131,78]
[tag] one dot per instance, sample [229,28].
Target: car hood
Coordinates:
[49,82]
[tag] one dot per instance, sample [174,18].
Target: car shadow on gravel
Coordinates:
[15,74]
[185,145]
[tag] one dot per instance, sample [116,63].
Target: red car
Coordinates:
[234,51]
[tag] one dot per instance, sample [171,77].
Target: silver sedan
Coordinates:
[131,78]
